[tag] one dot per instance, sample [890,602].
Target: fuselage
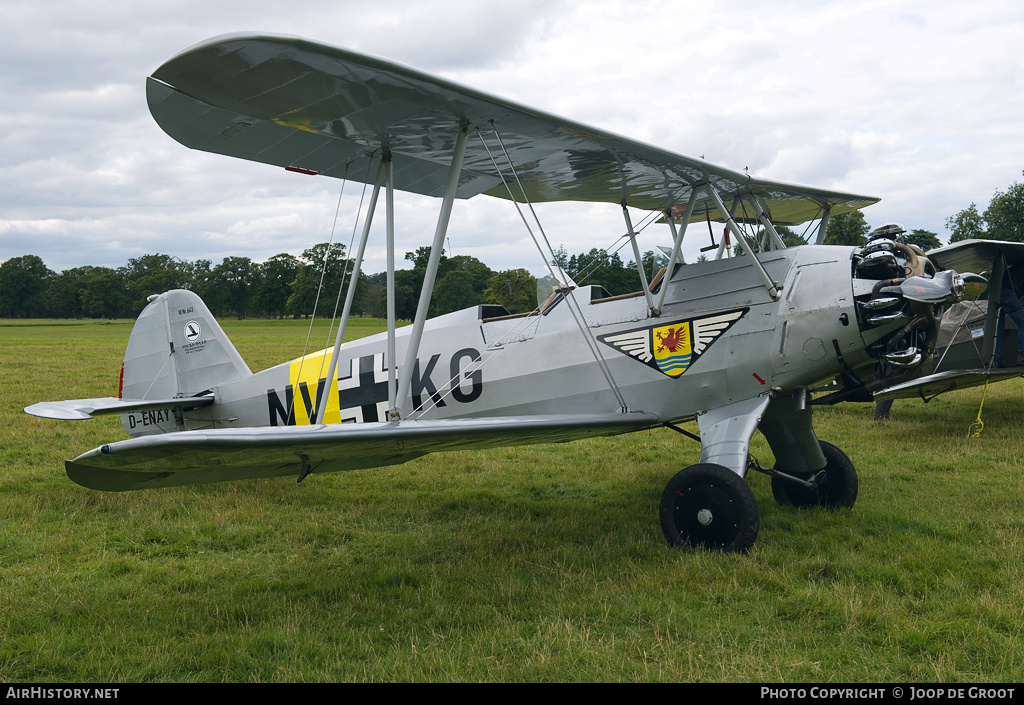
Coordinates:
[720,338]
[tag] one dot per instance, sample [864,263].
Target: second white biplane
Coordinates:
[735,343]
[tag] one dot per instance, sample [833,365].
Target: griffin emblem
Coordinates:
[673,348]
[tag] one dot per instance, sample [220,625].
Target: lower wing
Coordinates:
[197,457]
[941,382]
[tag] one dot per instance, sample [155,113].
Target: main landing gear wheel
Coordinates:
[708,506]
[836,484]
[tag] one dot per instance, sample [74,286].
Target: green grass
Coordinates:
[542,563]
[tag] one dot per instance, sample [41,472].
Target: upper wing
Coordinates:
[315,108]
[197,457]
[976,256]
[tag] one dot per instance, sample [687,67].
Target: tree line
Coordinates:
[290,286]
[285,285]
[1003,219]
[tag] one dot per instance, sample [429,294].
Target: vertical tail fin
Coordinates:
[177,349]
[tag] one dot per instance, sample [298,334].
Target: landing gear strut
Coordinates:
[835,485]
[708,506]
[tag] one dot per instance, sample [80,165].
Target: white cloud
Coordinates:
[916,102]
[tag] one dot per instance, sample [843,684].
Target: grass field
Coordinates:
[543,563]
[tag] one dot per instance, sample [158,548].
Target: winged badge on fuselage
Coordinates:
[672,348]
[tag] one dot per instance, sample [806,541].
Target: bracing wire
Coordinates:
[344,271]
[622,240]
[348,260]
[571,302]
[320,286]
[448,388]
[544,257]
[806,234]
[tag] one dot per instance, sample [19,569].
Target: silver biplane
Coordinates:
[735,343]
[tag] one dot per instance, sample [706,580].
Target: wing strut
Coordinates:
[636,258]
[766,222]
[566,288]
[823,225]
[959,327]
[995,283]
[411,353]
[677,243]
[771,286]
[389,208]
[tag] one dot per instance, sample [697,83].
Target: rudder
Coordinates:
[177,349]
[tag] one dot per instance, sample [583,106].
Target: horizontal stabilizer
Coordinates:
[77,409]
[941,382]
[197,457]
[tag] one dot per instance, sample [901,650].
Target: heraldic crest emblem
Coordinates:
[673,347]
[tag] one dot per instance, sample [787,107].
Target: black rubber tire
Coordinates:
[707,506]
[838,489]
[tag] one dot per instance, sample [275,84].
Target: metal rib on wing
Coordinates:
[295,103]
[198,457]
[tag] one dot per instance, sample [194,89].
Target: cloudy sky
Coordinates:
[918,103]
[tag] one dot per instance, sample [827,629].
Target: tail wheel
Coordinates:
[710,507]
[835,484]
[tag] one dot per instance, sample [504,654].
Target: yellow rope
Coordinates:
[978,425]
